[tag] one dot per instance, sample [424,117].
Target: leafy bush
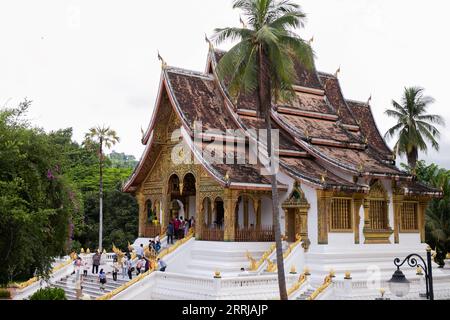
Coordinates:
[5,294]
[49,294]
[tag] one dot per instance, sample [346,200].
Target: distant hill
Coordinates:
[122,160]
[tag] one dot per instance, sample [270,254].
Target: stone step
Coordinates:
[305,295]
[89,285]
[94,278]
[72,291]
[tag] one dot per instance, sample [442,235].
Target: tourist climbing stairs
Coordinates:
[91,286]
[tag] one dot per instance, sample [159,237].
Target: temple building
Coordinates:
[338,182]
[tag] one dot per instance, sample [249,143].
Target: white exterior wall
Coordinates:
[192,208]
[311,196]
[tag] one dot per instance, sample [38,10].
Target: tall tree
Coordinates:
[264,61]
[101,137]
[414,125]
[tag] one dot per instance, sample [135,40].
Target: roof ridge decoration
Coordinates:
[188,72]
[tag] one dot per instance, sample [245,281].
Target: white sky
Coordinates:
[93,62]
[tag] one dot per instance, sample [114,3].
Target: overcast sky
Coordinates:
[89,62]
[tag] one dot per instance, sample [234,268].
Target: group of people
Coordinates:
[127,266]
[83,265]
[178,228]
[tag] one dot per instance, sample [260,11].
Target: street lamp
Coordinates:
[400,286]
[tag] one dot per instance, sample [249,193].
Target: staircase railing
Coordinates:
[255,265]
[272,267]
[153,268]
[326,283]
[301,280]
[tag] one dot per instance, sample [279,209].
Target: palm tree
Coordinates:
[264,61]
[414,126]
[101,137]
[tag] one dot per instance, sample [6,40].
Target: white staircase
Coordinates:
[227,257]
[90,285]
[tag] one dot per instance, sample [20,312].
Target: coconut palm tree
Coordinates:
[414,125]
[263,61]
[101,137]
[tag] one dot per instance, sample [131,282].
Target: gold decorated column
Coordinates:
[230,200]
[303,224]
[200,216]
[141,202]
[324,199]
[257,209]
[245,199]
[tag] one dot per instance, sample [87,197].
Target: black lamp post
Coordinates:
[399,285]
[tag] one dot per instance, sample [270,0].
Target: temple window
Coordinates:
[378,215]
[341,215]
[408,217]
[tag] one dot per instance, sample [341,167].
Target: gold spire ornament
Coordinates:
[348,275]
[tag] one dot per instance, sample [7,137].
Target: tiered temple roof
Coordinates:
[319,129]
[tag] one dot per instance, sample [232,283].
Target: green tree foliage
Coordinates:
[264,62]
[414,125]
[49,197]
[438,212]
[38,204]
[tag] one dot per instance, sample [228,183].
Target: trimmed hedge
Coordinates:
[49,294]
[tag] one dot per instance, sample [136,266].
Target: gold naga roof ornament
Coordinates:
[163,63]
[227,178]
[323,176]
[208,41]
[369,100]
[337,72]
[348,275]
[361,167]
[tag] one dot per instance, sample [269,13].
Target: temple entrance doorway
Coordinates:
[291,230]
[220,213]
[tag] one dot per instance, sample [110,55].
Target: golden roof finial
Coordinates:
[217,274]
[208,41]
[323,176]
[163,63]
[310,41]
[306,271]
[337,72]
[348,275]
[369,100]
